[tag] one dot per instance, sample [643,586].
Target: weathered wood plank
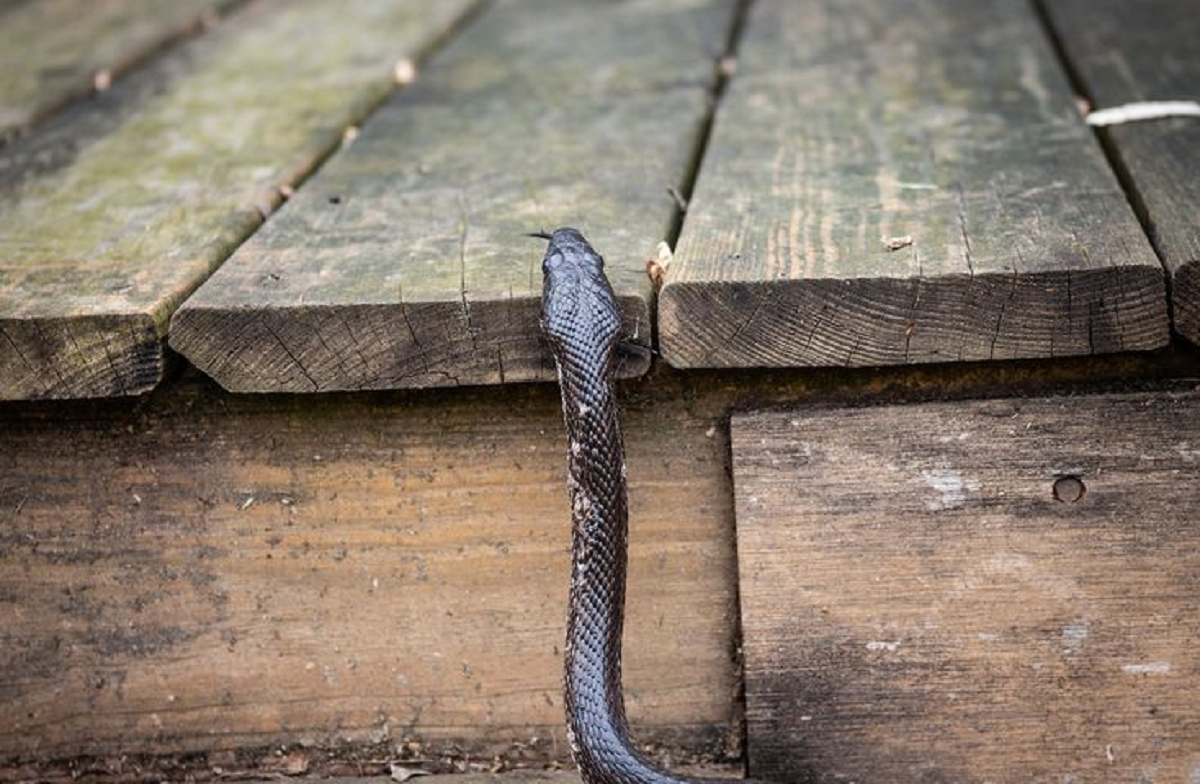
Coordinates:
[403,263]
[456,467]
[116,210]
[206,571]
[996,591]
[903,182]
[53,51]
[1129,52]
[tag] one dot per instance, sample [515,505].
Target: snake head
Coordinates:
[580,317]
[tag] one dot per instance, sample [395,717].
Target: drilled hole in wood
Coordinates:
[1069,489]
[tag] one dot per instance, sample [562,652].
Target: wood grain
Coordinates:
[202,571]
[117,209]
[904,182]
[997,590]
[1146,51]
[403,263]
[53,51]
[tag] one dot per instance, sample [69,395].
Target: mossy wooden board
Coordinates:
[904,182]
[117,209]
[54,50]
[403,263]
[1147,51]
[980,591]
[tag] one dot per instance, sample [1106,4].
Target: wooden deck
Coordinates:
[884,289]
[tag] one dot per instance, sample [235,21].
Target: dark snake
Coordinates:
[582,324]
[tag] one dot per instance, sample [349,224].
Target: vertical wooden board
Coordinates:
[403,263]
[927,596]
[205,571]
[52,51]
[904,182]
[116,210]
[1146,51]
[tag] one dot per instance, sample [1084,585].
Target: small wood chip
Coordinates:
[656,268]
[405,72]
[401,773]
[896,243]
[677,197]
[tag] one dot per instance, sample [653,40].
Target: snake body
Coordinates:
[582,323]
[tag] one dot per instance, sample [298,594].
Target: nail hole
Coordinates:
[1069,489]
[335,199]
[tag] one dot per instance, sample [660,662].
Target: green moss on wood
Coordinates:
[125,205]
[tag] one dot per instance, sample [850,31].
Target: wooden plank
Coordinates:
[53,51]
[854,127]
[1000,590]
[403,264]
[205,571]
[1130,52]
[116,210]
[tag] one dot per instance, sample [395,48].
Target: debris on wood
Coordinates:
[1141,111]
[656,268]
[401,773]
[677,197]
[406,71]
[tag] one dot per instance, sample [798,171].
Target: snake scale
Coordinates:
[582,323]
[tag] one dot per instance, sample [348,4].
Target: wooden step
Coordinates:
[1127,53]
[404,262]
[996,590]
[212,572]
[116,210]
[171,566]
[53,51]
[904,182]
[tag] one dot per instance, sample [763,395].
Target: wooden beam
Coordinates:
[200,571]
[141,610]
[1131,52]
[998,590]
[904,182]
[117,209]
[54,51]
[403,263]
